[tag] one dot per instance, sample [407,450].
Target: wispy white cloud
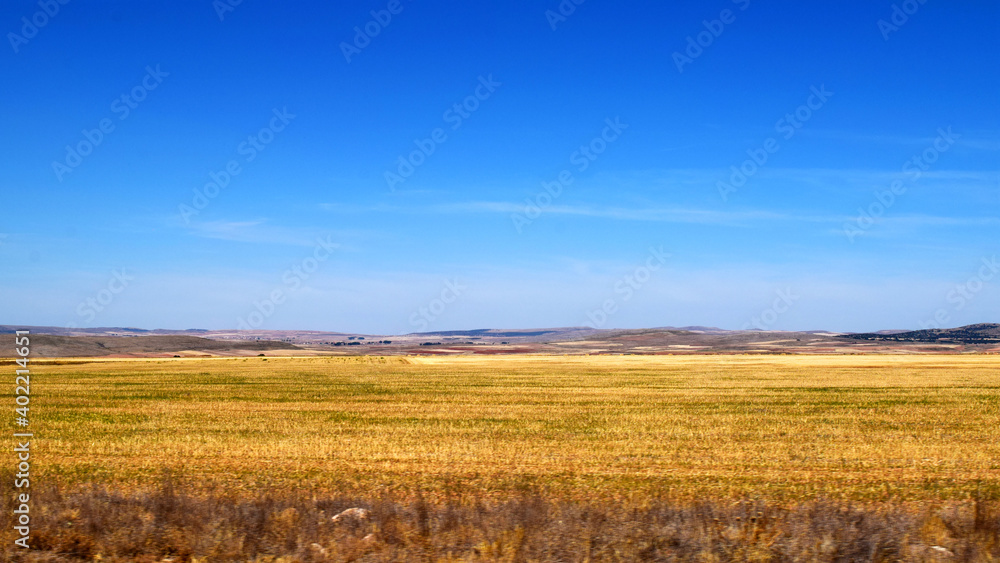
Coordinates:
[255,231]
[672,215]
[715,217]
[664,214]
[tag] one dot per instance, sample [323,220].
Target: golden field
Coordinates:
[889,436]
[854,426]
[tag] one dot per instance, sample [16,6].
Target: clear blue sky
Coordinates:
[199,89]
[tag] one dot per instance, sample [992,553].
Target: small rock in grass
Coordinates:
[942,551]
[352,515]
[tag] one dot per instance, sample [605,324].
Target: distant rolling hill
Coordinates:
[133,342]
[985,333]
[53,346]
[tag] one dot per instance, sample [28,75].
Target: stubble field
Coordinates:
[516,458]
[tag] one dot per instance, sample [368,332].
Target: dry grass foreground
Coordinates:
[556,458]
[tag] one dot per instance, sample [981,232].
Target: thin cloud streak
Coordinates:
[667,215]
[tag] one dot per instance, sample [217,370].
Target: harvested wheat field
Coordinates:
[521,458]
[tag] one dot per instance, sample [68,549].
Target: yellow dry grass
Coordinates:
[777,427]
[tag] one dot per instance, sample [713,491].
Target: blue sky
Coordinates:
[467,236]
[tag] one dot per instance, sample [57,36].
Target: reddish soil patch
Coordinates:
[505,351]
